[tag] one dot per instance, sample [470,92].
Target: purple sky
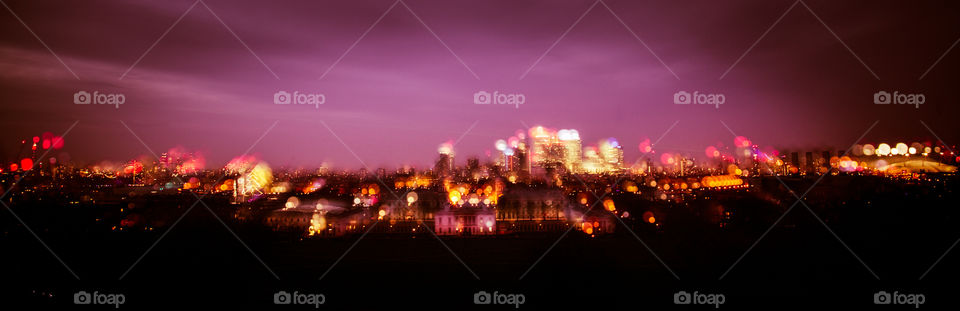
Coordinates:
[399,92]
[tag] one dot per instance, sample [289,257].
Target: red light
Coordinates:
[57,142]
[26,164]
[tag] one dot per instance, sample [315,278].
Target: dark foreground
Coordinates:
[887,245]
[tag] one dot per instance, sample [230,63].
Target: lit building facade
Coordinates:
[573,157]
[612,155]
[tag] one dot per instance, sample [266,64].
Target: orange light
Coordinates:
[608,204]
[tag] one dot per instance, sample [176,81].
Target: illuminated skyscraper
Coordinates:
[541,140]
[511,161]
[444,165]
[612,155]
[572,155]
[591,161]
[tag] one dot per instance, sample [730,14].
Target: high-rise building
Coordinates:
[591,161]
[572,157]
[444,165]
[510,160]
[612,154]
[795,159]
[541,140]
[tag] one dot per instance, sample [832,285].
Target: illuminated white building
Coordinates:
[592,162]
[612,155]
[542,138]
[465,220]
[572,155]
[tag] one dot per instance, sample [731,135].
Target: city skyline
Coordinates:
[574,154]
[535,154]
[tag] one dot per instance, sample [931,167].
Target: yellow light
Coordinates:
[902,148]
[608,204]
[883,149]
[454,196]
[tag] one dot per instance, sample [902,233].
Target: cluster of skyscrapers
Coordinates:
[557,151]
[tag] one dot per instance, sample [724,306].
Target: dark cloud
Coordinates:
[400,92]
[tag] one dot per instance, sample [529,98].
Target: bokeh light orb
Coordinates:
[57,142]
[645,146]
[292,202]
[712,152]
[667,159]
[26,164]
[649,217]
[902,148]
[513,142]
[883,149]
[500,144]
[608,205]
[741,142]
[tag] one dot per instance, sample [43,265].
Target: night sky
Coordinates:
[400,92]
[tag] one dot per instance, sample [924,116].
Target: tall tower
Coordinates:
[612,154]
[541,140]
[572,150]
[444,165]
